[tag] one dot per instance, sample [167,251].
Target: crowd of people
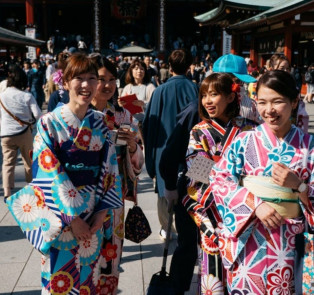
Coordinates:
[225,143]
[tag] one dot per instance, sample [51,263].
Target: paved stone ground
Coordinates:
[20,264]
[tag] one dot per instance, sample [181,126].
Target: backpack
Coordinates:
[309,77]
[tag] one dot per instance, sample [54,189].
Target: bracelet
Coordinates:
[134,151]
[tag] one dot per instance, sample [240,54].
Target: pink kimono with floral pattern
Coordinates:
[259,260]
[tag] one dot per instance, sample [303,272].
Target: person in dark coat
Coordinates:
[36,82]
[56,98]
[167,101]
[193,74]
[172,169]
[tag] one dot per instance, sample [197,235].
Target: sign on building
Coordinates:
[226,42]
[31,54]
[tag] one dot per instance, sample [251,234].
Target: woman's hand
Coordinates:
[268,216]
[80,229]
[129,137]
[139,103]
[284,176]
[97,221]
[121,103]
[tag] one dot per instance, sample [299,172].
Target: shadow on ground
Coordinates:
[147,251]
[10,233]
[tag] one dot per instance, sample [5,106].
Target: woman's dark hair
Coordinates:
[276,59]
[78,63]
[103,62]
[129,79]
[16,77]
[222,84]
[280,81]
[62,60]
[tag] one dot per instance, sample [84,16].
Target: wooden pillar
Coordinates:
[288,43]
[234,50]
[29,12]
[45,22]
[253,52]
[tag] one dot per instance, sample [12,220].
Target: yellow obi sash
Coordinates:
[282,199]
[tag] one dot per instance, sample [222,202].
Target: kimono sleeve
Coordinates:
[34,207]
[308,211]
[109,186]
[197,191]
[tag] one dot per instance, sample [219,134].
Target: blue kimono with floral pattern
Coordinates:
[75,173]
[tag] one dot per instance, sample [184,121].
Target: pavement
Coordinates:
[20,263]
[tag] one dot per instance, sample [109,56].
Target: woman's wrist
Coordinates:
[133,152]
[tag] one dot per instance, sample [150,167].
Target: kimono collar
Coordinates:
[274,139]
[109,107]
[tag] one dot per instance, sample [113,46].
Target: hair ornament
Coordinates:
[235,87]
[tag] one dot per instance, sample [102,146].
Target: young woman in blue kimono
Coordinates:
[76,181]
[219,111]
[263,188]
[130,161]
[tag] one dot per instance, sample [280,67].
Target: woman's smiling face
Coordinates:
[106,86]
[215,104]
[82,88]
[275,110]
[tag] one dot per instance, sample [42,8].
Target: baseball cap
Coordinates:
[235,65]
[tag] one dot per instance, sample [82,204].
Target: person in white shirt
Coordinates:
[19,110]
[49,86]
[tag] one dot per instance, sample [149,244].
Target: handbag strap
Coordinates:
[21,122]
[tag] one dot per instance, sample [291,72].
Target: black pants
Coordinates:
[185,255]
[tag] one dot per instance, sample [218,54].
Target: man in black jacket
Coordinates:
[172,169]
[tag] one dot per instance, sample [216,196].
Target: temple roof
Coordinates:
[134,49]
[12,38]
[284,6]
[220,11]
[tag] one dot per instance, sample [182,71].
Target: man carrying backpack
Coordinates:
[309,80]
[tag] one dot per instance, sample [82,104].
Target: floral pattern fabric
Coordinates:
[114,234]
[259,260]
[72,177]
[308,265]
[208,139]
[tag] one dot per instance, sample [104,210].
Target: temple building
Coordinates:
[151,22]
[274,26]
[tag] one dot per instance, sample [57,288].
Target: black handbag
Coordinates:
[137,227]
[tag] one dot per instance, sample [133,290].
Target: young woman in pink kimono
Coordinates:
[263,188]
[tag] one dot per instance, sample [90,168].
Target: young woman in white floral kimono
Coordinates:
[76,181]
